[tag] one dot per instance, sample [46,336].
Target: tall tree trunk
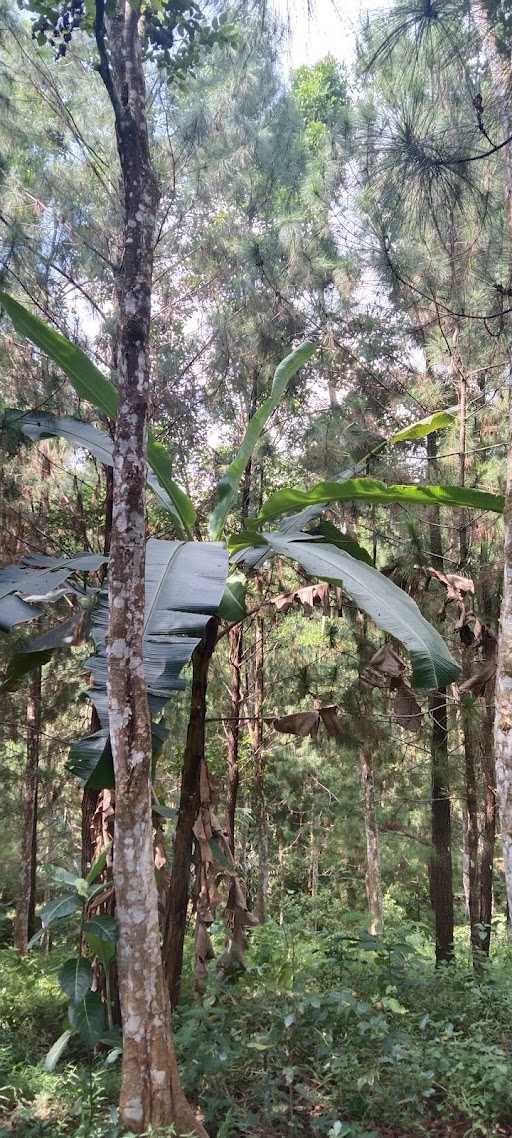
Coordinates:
[260,907]
[470,728]
[503,695]
[441,881]
[179,887]
[151,1093]
[497,49]
[373,879]
[488,832]
[441,885]
[236,655]
[471,826]
[25,904]
[92,834]
[236,651]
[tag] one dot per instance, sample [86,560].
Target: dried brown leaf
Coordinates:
[407,711]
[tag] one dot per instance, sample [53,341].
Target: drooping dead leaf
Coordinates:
[330,720]
[407,711]
[216,868]
[300,723]
[384,665]
[308,597]
[455,585]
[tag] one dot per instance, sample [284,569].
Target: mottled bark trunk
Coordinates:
[471,733]
[503,695]
[236,653]
[373,879]
[441,885]
[488,828]
[179,888]
[25,904]
[236,649]
[440,870]
[260,803]
[151,1093]
[497,49]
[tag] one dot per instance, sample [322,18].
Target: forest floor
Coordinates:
[328,1033]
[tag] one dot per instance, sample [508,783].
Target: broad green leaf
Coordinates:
[232,606]
[229,483]
[371,490]
[246,539]
[40,579]
[98,865]
[63,876]
[59,908]
[390,607]
[88,1019]
[327,532]
[101,935]
[39,425]
[184,583]
[37,653]
[57,1050]
[90,759]
[439,421]
[90,384]
[102,927]
[75,978]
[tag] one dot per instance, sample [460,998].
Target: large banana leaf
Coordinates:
[38,652]
[252,556]
[90,384]
[37,425]
[185,583]
[229,483]
[390,607]
[371,490]
[38,580]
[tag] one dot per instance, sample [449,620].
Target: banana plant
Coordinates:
[324,553]
[89,1017]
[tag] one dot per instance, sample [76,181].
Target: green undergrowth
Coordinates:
[329,1032]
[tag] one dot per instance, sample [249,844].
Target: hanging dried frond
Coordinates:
[304,723]
[216,866]
[308,597]
[385,665]
[407,711]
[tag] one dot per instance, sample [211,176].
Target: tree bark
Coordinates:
[441,880]
[25,905]
[373,879]
[260,907]
[441,886]
[179,887]
[503,695]
[236,650]
[471,826]
[236,655]
[501,71]
[488,830]
[151,1093]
